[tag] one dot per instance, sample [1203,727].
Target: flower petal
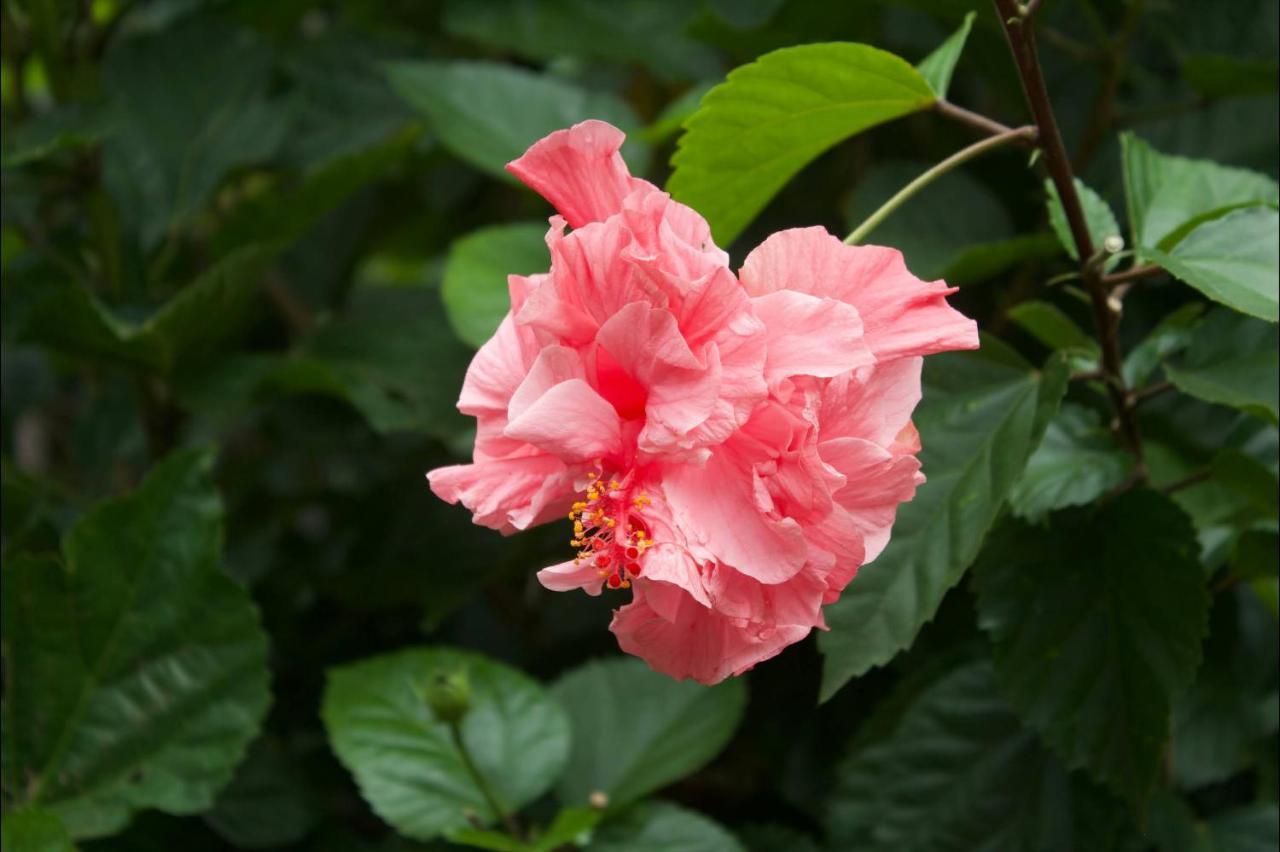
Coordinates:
[507,494]
[571,575]
[580,171]
[810,336]
[901,314]
[571,422]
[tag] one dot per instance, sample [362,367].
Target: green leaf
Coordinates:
[1169,337]
[487,838]
[647,32]
[1096,625]
[404,759]
[571,826]
[937,67]
[34,830]
[773,116]
[673,116]
[987,260]
[1232,260]
[1223,719]
[1174,827]
[958,771]
[933,229]
[1232,360]
[1217,76]
[187,329]
[136,673]
[1097,215]
[1077,462]
[265,804]
[673,728]
[489,113]
[1047,323]
[475,275]
[662,827]
[187,105]
[981,417]
[1167,196]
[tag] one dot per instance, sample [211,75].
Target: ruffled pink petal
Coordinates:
[810,336]
[580,171]
[798,601]
[874,404]
[508,494]
[901,314]
[554,365]
[571,575]
[877,482]
[671,564]
[726,516]
[571,422]
[688,640]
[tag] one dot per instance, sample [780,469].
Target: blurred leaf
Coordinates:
[662,827]
[648,32]
[772,117]
[673,116]
[1232,360]
[475,275]
[1047,323]
[1174,827]
[1217,76]
[937,67]
[1231,708]
[188,105]
[936,227]
[958,771]
[264,806]
[1077,462]
[982,415]
[34,830]
[1096,626]
[1097,215]
[188,328]
[980,262]
[486,838]
[136,671]
[1168,196]
[403,757]
[1171,336]
[570,826]
[772,837]
[61,129]
[672,729]
[1234,260]
[488,114]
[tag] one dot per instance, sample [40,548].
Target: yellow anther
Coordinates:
[610,522]
[640,534]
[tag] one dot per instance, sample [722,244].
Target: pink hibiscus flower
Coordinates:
[731,449]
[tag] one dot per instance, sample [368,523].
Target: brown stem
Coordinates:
[1134,273]
[1022,43]
[1188,481]
[977,121]
[1151,391]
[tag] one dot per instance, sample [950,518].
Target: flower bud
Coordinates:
[449,695]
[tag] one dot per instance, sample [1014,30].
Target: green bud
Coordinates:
[449,695]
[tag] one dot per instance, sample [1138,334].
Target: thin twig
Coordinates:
[977,121]
[491,799]
[960,157]
[1151,391]
[1134,273]
[1188,481]
[1102,116]
[1021,37]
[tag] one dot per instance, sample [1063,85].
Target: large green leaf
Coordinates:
[957,771]
[489,113]
[937,67]
[34,830]
[1168,196]
[648,32]
[1232,360]
[404,758]
[1171,335]
[1096,625]
[186,329]
[265,805]
[187,105]
[1048,323]
[662,827]
[671,729]
[1234,259]
[1077,462]
[135,673]
[475,275]
[773,116]
[981,417]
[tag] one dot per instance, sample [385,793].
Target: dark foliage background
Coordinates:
[227,225]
